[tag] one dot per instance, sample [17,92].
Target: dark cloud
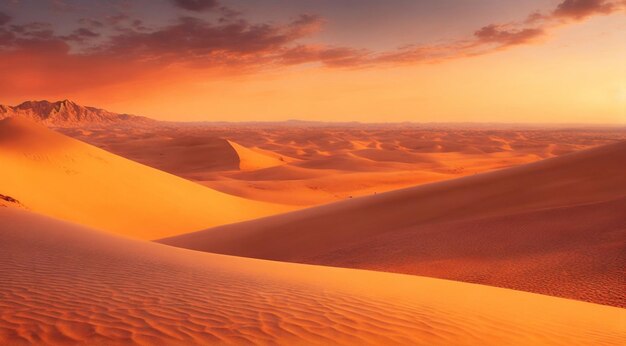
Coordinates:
[81,35]
[31,27]
[306,24]
[139,25]
[195,39]
[196,5]
[329,56]
[84,32]
[507,37]
[579,9]
[535,17]
[4,18]
[34,30]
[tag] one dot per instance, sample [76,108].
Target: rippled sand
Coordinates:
[64,284]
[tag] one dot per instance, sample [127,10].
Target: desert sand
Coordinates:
[66,284]
[213,172]
[58,176]
[520,209]
[252,159]
[555,227]
[320,163]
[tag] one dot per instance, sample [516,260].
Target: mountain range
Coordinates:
[69,114]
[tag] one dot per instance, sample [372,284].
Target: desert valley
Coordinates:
[467,233]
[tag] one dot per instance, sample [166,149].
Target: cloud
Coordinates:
[204,43]
[34,59]
[495,37]
[81,35]
[34,30]
[507,37]
[326,55]
[196,5]
[119,47]
[580,9]
[306,24]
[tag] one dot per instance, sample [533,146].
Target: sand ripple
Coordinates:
[62,284]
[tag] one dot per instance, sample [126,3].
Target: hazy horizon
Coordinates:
[347,122]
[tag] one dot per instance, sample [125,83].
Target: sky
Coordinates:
[525,61]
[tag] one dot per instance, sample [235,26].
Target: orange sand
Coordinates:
[321,163]
[555,227]
[251,159]
[64,284]
[61,177]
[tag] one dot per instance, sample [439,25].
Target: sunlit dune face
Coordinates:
[71,180]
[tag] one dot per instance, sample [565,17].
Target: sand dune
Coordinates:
[556,227]
[61,177]
[251,159]
[190,157]
[65,284]
[313,190]
[322,164]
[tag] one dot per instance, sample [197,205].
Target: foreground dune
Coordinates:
[554,227]
[64,284]
[61,177]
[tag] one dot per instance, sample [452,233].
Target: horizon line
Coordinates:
[343,122]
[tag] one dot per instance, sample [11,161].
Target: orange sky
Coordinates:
[567,66]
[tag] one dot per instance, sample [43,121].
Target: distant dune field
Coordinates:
[311,164]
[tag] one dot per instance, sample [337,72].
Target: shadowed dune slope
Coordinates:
[189,157]
[555,227]
[101,289]
[61,177]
